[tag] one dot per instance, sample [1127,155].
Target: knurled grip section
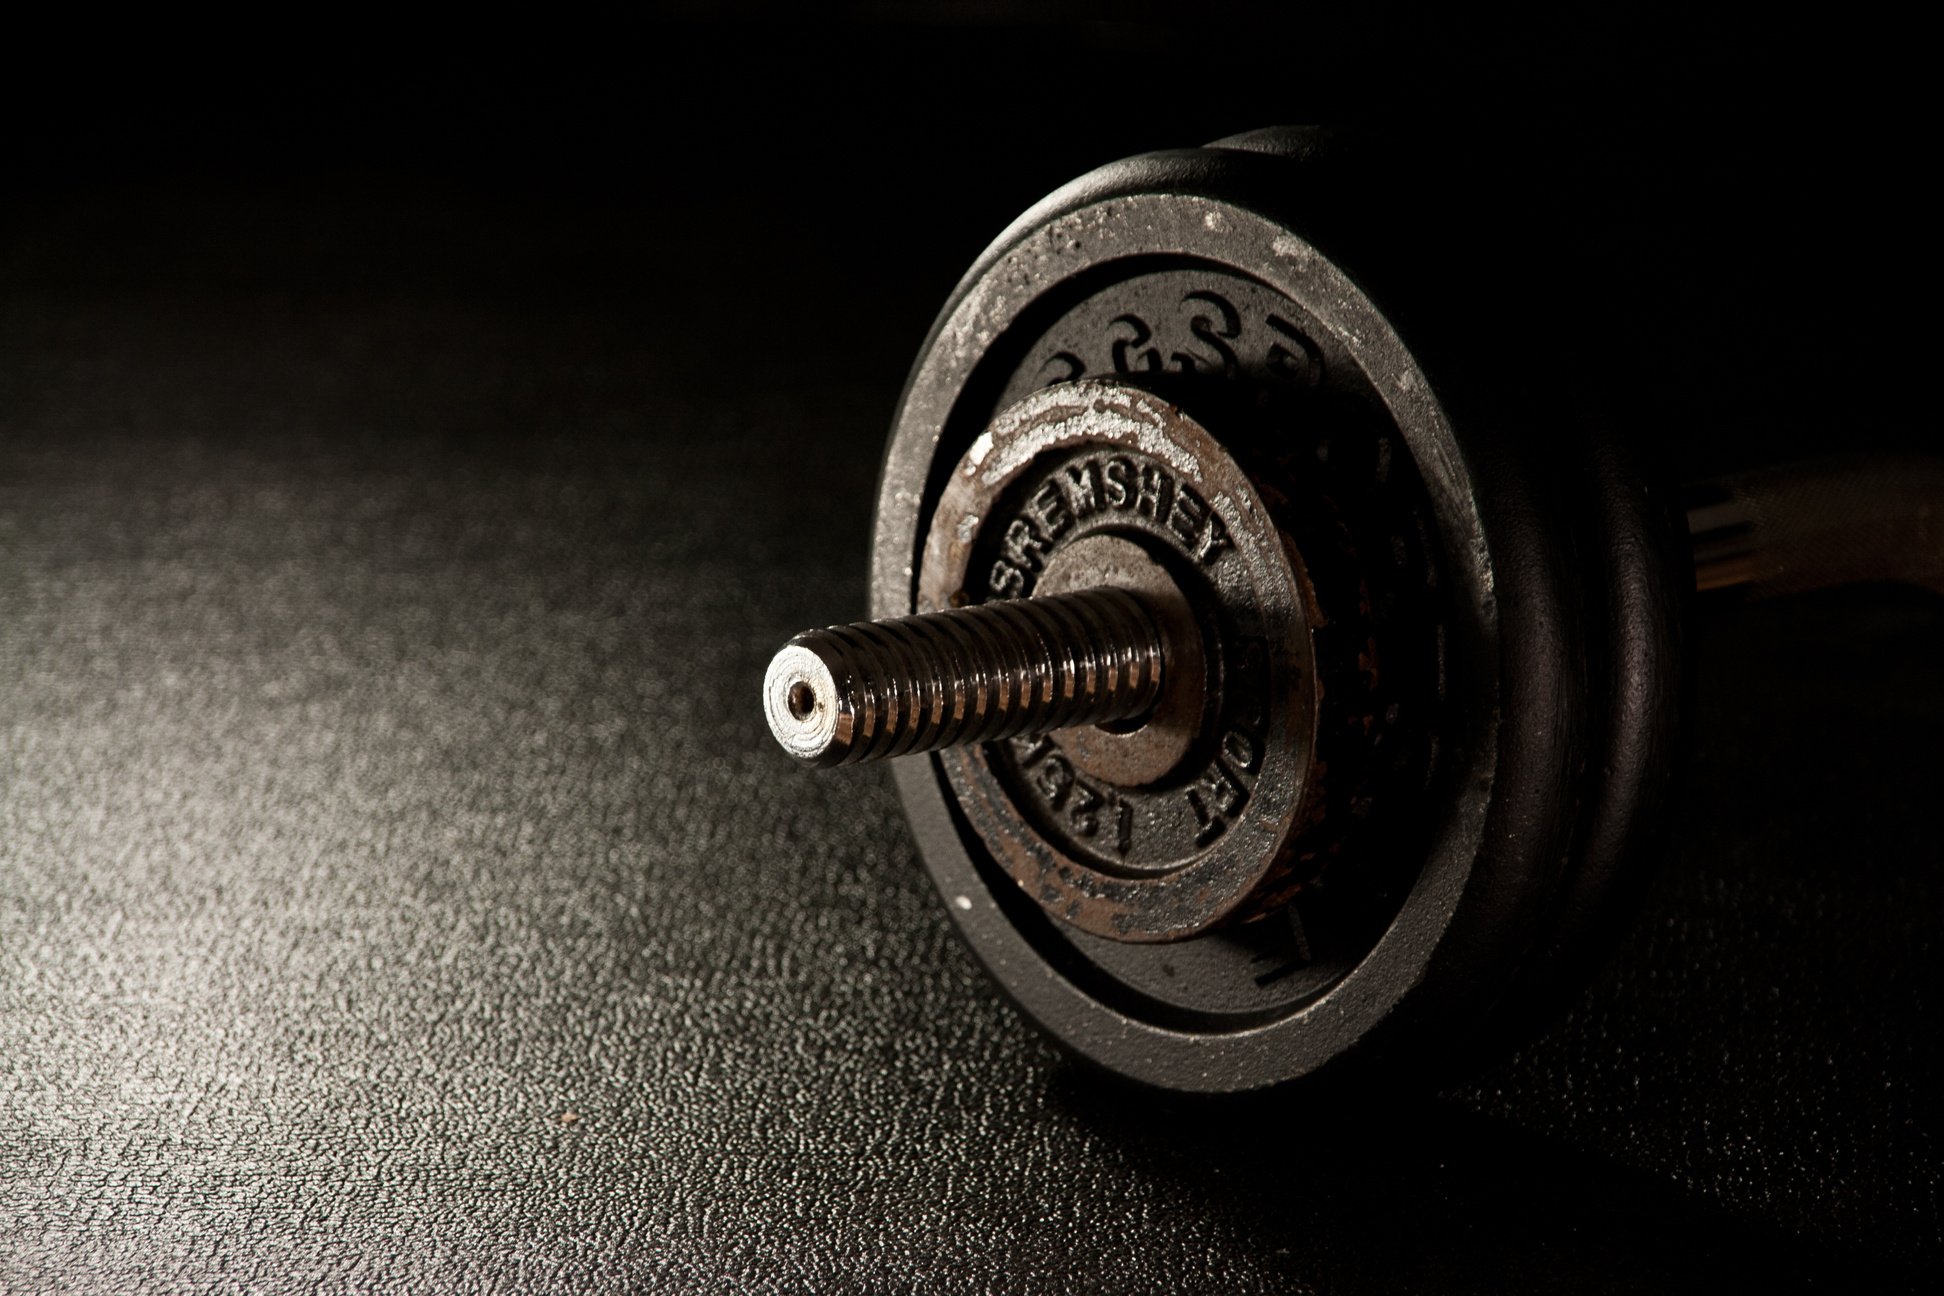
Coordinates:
[877,689]
[1826,522]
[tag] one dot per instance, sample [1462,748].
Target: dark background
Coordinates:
[412,446]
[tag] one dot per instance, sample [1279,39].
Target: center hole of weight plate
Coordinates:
[803,700]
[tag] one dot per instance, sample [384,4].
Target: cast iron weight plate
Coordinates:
[1189,274]
[1131,853]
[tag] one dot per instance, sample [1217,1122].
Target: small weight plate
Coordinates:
[1165,858]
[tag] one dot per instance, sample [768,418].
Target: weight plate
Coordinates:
[1136,859]
[1187,274]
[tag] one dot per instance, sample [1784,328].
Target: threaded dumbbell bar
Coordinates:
[879,689]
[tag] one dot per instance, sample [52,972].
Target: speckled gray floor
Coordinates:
[398,891]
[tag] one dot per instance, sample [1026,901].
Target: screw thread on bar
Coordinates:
[877,689]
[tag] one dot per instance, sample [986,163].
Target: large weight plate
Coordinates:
[1186,273]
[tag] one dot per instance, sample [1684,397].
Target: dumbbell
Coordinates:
[1286,653]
